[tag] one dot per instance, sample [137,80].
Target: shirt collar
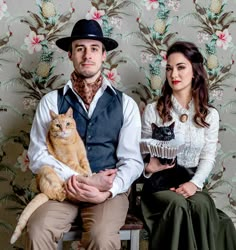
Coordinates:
[105,83]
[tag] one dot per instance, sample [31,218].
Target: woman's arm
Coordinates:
[208,153]
[150,116]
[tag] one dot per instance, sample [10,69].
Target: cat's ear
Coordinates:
[153,126]
[69,112]
[53,114]
[172,125]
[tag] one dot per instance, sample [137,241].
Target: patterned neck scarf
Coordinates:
[85,90]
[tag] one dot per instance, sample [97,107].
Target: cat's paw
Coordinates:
[61,196]
[58,194]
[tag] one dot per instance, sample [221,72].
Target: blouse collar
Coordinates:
[181,110]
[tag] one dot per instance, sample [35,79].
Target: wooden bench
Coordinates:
[130,230]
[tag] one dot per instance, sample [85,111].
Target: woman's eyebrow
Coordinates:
[176,64]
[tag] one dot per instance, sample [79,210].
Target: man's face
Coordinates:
[87,56]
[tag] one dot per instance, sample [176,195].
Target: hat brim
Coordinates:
[64,43]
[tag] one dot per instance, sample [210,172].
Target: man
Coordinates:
[109,124]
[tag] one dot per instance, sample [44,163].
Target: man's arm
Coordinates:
[130,165]
[103,180]
[81,192]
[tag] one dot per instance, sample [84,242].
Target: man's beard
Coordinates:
[87,73]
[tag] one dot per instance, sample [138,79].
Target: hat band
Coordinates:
[86,35]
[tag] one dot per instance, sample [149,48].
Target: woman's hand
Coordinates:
[187,189]
[155,166]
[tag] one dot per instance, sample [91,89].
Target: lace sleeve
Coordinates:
[208,153]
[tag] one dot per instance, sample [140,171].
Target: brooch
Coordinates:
[183,118]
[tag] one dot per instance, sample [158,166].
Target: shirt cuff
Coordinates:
[145,174]
[199,187]
[113,190]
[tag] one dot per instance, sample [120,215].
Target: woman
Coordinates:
[182,216]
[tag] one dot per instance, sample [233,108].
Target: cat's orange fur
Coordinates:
[65,144]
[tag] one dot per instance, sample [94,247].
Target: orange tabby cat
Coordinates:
[65,144]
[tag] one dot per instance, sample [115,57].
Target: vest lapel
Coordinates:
[72,99]
[104,101]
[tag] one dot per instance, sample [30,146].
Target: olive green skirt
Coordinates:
[176,223]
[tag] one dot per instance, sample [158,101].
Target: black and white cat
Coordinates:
[164,133]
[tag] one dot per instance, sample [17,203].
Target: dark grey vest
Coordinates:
[100,133]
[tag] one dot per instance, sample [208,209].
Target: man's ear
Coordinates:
[69,55]
[104,56]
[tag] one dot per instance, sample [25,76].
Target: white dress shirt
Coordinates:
[130,163]
[199,143]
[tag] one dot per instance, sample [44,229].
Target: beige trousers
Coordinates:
[101,224]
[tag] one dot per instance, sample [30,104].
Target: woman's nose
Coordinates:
[174,73]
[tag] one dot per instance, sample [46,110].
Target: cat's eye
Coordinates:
[58,125]
[68,124]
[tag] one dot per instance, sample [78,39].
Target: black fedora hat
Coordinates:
[86,29]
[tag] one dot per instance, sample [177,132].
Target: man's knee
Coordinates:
[36,227]
[102,239]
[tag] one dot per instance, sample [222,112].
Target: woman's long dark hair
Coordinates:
[200,93]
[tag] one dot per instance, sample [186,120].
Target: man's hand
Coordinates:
[155,166]
[103,180]
[77,192]
[187,189]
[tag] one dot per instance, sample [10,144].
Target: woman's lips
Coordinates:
[175,82]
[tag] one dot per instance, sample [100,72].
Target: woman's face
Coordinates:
[179,73]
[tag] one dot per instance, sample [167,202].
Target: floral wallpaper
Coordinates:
[31,66]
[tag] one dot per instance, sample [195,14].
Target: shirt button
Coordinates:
[89,136]
[89,148]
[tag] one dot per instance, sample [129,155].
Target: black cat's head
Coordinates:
[165,133]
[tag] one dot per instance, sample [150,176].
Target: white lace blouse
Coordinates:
[200,143]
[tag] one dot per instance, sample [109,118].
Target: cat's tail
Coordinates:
[36,202]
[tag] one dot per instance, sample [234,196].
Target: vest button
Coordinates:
[89,148]
[89,136]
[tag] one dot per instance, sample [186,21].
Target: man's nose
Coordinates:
[87,54]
